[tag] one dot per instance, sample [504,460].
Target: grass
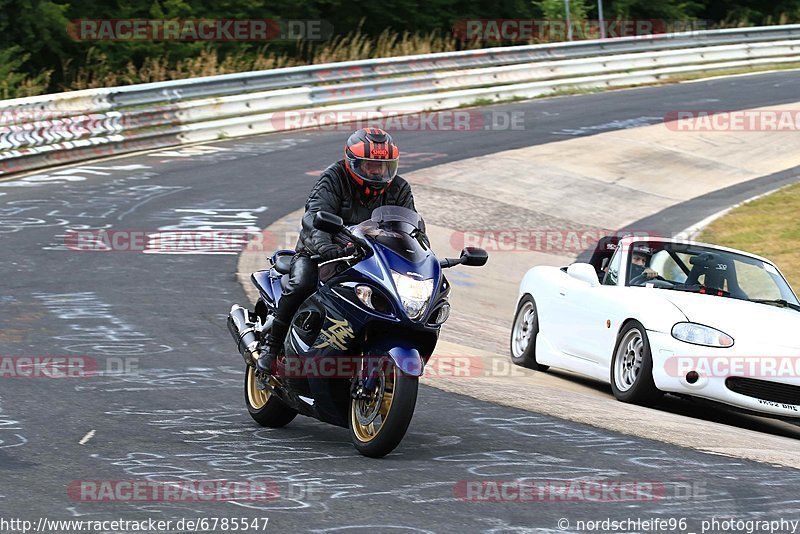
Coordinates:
[571,91]
[730,72]
[480,102]
[97,71]
[768,226]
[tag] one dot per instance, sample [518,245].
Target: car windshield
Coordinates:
[400,229]
[695,268]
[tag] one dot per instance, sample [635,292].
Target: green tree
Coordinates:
[33,38]
[38,52]
[647,9]
[751,12]
[14,81]
[556,9]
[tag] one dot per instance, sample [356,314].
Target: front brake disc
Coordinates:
[368,409]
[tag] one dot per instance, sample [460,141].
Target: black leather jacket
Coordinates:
[335,192]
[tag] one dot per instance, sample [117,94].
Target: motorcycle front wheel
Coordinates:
[379,423]
[265,408]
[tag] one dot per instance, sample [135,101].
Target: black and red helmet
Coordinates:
[371,158]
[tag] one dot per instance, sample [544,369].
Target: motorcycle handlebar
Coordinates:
[351,249]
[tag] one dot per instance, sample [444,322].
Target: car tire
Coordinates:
[632,367]
[524,330]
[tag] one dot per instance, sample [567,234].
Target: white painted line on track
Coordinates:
[89,435]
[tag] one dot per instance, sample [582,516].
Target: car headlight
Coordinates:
[699,334]
[414,294]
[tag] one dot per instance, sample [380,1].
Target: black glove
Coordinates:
[330,252]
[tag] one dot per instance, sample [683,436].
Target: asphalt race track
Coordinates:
[165,402]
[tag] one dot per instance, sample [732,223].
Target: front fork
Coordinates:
[367,376]
[407,360]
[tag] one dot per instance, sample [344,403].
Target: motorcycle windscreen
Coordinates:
[384,214]
[413,248]
[400,229]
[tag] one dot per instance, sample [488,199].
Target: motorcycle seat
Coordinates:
[283,263]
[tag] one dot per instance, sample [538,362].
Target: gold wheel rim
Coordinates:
[367,433]
[256,397]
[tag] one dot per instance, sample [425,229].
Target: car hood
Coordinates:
[739,318]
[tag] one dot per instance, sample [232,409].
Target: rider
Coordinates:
[640,257]
[351,188]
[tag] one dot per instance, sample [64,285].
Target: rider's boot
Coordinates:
[274,342]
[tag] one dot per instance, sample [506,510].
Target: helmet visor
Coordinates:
[376,171]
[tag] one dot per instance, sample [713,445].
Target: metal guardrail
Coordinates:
[40,131]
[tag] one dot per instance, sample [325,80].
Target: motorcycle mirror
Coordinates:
[474,256]
[328,222]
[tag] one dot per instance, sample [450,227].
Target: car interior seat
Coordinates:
[716,270]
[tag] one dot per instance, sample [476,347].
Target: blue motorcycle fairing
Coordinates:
[264,283]
[428,268]
[372,267]
[407,359]
[378,266]
[321,336]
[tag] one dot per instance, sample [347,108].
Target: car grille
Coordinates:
[762,389]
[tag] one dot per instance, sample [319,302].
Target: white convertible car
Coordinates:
[659,315]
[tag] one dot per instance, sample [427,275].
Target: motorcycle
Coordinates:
[357,346]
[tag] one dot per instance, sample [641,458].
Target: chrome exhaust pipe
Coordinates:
[244,334]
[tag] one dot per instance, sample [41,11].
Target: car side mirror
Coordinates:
[583,272]
[328,222]
[474,256]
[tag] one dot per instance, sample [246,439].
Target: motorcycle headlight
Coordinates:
[699,334]
[414,294]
